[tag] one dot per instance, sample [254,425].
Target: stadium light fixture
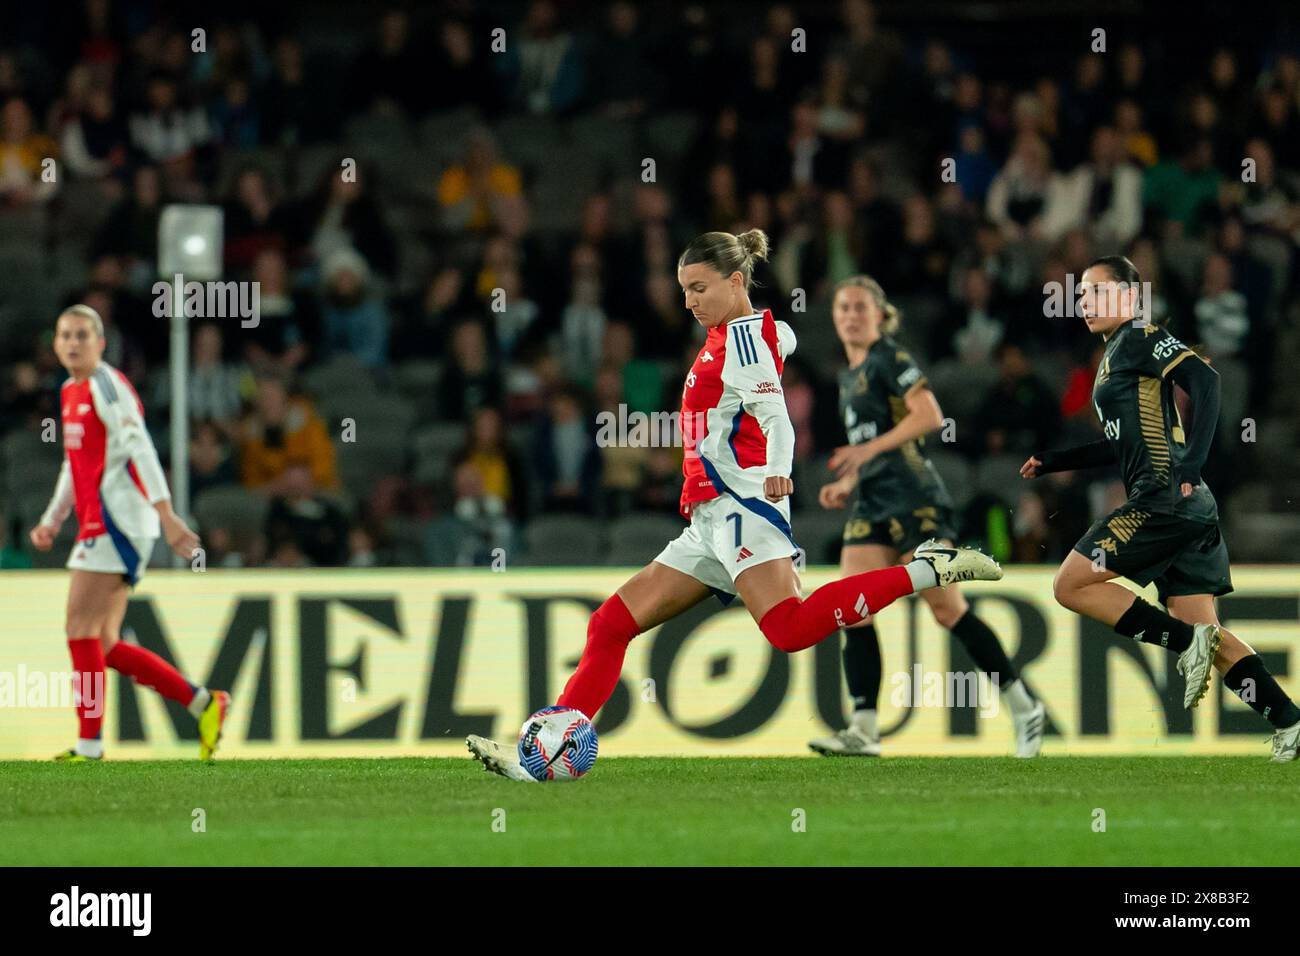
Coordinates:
[190,240]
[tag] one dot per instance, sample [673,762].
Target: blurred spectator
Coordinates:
[343,213]
[217,389]
[1025,194]
[131,229]
[566,456]
[94,142]
[1222,320]
[474,191]
[474,529]
[1020,415]
[1104,195]
[288,323]
[24,175]
[1183,191]
[281,433]
[389,75]
[212,463]
[471,379]
[499,466]
[542,68]
[254,219]
[354,317]
[301,521]
[167,131]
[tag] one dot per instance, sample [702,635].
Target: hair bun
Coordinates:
[753,243]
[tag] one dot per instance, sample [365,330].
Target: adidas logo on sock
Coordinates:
[1164,638]
[860,606]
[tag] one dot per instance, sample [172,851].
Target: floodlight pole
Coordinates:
[180,430]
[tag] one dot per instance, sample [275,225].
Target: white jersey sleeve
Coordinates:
[127,434]
[62,500]
[750,373]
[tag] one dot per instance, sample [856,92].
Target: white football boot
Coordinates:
[1197,662]
[498,758]
[1029,730]
[1286,742]
[957,564]
[849,742]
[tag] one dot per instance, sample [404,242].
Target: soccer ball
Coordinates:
[557,743]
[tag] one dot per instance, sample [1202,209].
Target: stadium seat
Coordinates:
[340,375]
[528,140]
[671,134]
[635,539]
[417,380]
[235,508]
[433,446]
[443,134]
[564,540]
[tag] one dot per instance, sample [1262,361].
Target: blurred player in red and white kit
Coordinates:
[111,475]
[739,451]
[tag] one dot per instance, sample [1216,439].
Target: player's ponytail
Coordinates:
[727,253]
[890,316]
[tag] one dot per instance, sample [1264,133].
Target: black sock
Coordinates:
[985,650]
[1268,699]
[1147,623]
[862,665]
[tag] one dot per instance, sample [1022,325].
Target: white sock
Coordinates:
[922,574]
[200,702]
[864,722]
[90,748]
[1017,697]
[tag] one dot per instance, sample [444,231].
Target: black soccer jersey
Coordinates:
[872,401]
[1133,397]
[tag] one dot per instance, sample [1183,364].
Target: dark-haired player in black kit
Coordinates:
[1168,530]
[902,502]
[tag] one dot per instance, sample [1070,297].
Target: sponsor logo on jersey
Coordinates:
[908,377]
[767,388]
[1167,347]
[1111,428]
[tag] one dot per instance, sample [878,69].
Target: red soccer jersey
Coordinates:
[735,374]
[104,477]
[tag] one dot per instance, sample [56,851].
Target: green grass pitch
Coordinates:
[652,811]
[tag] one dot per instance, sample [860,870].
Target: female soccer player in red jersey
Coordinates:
[111,475]
[739,448]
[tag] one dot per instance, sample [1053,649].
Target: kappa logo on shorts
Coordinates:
[1108,544]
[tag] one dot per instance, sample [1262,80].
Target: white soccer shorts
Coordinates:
[727,536]
[116,553]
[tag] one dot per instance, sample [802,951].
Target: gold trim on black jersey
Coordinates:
[1151,415]
[1124,526]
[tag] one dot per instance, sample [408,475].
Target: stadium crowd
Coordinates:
[501,268]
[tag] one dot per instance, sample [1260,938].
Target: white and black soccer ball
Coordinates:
[557,743]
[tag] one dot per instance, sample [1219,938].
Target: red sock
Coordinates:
[795,624]
[88,685]
[150,670]
[609,631]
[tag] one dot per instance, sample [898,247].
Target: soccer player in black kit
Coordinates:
[1168,530]
[887,409]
